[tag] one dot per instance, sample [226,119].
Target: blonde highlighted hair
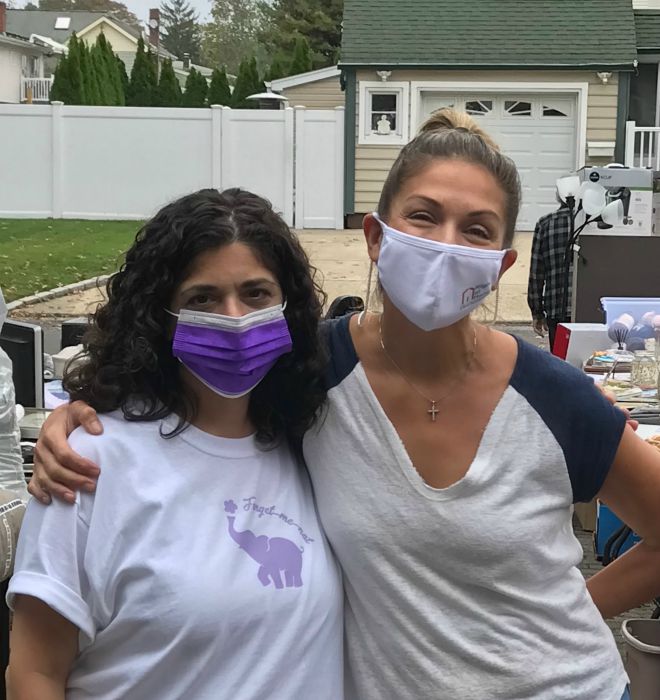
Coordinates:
[449,134]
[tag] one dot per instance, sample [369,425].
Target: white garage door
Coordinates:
[537,131]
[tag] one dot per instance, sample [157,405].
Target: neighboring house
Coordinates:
[644,93]
[182,70]
[21,66]
[59,26]
[318,89]
[548,80]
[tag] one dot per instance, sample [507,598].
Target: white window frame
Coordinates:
[402,91]
[580,89]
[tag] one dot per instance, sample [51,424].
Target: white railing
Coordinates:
[36,89]
[642,146]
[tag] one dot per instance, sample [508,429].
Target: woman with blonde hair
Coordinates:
[450,455]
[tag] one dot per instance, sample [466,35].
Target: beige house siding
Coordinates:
[120,42]
[321,94]
[372,163]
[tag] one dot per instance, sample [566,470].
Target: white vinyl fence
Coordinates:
[126,162]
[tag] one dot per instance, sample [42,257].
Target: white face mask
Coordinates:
[434,284]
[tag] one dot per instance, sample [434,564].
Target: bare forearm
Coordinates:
[630,581]
[33,685]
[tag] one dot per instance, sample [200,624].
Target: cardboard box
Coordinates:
[575,342]
[636,188]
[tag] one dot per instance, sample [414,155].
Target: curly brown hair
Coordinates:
[129,363]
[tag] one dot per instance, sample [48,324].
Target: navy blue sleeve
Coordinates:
[586,426]
[338,345]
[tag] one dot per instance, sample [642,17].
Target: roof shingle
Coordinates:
[647,24]
[589,33]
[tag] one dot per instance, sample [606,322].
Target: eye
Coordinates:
[420,216]
[199,300]
[259,294]
[480,232]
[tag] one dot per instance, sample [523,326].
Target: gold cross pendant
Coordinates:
[433,411]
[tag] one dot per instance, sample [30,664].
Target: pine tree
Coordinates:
[168,93]
[69,86]
[278,69]
[114,87]
[181,30]
[302,57]
[106,88]
[142,85]
[195,92]
[247,83]
[90,75]
[123,77]
[219,92]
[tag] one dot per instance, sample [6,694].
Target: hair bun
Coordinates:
[449,119]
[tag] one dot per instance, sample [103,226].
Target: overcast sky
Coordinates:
[141,7]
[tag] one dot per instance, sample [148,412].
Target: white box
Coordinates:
[635,188]
[576,342]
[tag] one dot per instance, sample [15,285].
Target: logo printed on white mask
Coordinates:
[434,284]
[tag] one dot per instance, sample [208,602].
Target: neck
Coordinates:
[437,355]
[218,415]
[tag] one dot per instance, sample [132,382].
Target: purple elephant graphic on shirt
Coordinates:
[274,555]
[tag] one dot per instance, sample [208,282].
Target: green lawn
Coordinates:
[36,255]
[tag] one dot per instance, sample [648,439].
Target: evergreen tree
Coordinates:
[219,92]
[69,86]
[278,69]
[302,57]
[114,88]
[168,93]
[89,75]
[256,83]
[142,86]
[123,77]
[181,28]
[196,89]
[106,88]
[232,33]
[242,87]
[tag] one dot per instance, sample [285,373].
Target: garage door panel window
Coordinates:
[517,108]
[479,108]
[557,108]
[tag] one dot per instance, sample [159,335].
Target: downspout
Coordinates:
[349,82]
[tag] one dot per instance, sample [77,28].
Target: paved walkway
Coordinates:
[341,258]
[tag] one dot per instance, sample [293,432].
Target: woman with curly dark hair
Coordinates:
[197,568]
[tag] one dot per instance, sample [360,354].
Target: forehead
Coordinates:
[454,181]
[228,264]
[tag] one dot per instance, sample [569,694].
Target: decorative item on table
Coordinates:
[644,370]
[619,330]
[608,362]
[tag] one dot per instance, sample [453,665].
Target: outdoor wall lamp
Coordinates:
[604,77]
[384,74]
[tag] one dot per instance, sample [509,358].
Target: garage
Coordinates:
[539,132]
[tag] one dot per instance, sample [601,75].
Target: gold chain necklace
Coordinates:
[432,411]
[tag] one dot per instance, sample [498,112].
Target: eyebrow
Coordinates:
[206,288]
[438,205]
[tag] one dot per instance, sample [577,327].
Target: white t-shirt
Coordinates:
[470,592]
[198,570]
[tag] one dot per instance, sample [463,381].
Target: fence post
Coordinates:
[56,163]
[340,120]
[216,147]
[225,150]
[299,161]
[630,144]
[288,165]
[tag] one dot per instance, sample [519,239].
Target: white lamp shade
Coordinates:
[568,187]
[593,199]
[612,214]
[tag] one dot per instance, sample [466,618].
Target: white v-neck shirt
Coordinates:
[197,570]
[473,591]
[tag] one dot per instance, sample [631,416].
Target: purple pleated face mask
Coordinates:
[231,355]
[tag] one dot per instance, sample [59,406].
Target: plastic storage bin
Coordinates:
[606,525]
[642,638]
[635,306]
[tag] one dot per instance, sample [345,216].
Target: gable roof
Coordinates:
[489,33]
[42,22]
[21,43]
[304,78]
[647,25]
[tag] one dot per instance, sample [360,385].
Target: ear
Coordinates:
[508,260]
[373,235]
